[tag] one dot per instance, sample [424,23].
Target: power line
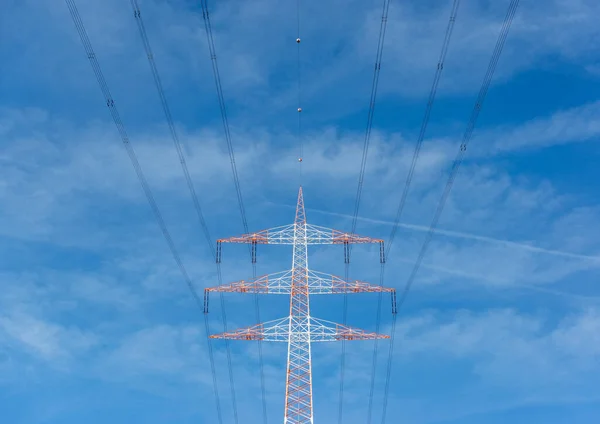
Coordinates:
[424,124]
[157,80]
[371,112]
[165,105]
[223,110]
[213,370]
[465,141]
[138,169]
[512,8]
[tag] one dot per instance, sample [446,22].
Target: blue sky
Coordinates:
[503,322]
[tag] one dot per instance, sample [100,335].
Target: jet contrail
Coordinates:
[468,236]
[501,283]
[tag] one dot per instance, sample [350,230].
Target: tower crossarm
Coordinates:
[314,235]
[327,331]
[279,331]
[324,235]
[276,283]
[271,331]
[322,283]
[281,283]
[276,235]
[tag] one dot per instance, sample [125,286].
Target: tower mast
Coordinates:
[298,388]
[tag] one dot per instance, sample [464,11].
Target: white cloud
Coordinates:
[579,124]
[164,350]
[509,347]
[48,341]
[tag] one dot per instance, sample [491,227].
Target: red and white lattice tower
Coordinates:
[299,329]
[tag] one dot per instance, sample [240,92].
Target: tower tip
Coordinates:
[300,214]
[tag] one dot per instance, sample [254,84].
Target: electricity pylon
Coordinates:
[299,329]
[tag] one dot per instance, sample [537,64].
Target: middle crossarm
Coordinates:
[320,331]
[318,283]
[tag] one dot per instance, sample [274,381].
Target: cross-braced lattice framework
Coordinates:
[299,329]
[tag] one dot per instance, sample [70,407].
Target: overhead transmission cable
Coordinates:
[424,123]
[465,141]
[140,174]
[157,80]
[512,8]
[409,177]
[370,115]
[227,132]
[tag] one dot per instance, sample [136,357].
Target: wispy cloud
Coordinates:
[575,125]
[50,342]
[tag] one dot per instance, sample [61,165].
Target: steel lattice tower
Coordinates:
[299,329]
